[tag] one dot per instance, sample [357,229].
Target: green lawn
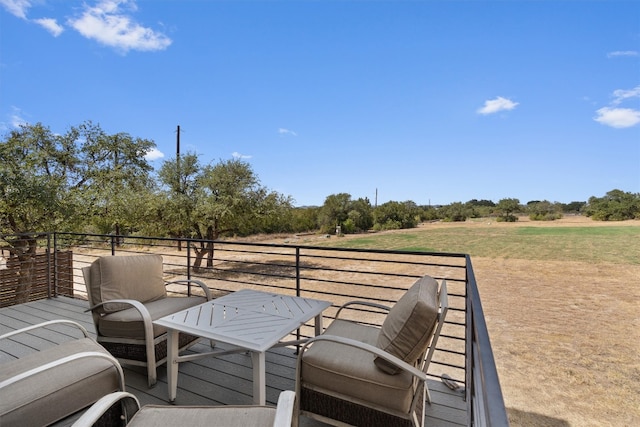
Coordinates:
[595,244]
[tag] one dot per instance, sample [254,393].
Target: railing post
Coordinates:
[298,271]
[113,244]
[51,287]
[188,260]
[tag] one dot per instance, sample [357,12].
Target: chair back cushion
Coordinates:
[409,325]
[137,277]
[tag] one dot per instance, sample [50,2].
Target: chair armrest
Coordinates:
[98,409]
[284,409]
[44,324]
[362,303]
[421,376]
[54,364]
[205,288]
[135,304]
[144,313]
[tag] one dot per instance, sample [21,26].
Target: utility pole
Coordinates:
[178,155]
[178,143]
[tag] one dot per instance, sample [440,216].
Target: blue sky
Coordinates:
[430,101]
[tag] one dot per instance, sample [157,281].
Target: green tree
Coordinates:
[506,209]
[396,215]
[544,210]
[52,182]
[455,212]
[573,207]
[179,196]
[616,205]
[304,219]
[115,178]
[334,212]
[230,200]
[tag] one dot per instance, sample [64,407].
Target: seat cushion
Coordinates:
[126,277]
[336,368]
[241,416]
[409,325]
[56,393]
[128,323]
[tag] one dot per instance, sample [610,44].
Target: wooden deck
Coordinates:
[210,381]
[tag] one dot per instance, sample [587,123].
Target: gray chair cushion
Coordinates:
[128,323]
[126,277]
[56,393]
[196,416]
[350,371]
[408,328]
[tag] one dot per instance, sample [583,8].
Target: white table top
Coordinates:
[250,319]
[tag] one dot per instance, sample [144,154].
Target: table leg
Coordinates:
[259,378]
[318,324]
[172,363]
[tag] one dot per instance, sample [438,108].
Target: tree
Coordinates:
[115,177]
[455,212]
[359,217]
[304,219]
[396,215]
[179,180]
[573,207]
[229,199]
[616,205]
[52,182]
[506,209]
[544,210]
[35,171]
[334,212]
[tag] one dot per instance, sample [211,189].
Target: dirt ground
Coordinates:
[566,338]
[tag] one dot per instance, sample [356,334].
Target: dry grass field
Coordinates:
[565,333]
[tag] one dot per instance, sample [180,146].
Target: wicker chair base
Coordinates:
[347,412]
[138,353]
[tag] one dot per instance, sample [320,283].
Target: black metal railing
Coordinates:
[336,274]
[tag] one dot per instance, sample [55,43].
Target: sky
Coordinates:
[430,101]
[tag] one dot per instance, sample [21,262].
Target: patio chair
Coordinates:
[209,416]
[43,387]
[126,294]
[359,374]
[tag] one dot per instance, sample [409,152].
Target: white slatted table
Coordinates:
[247,320]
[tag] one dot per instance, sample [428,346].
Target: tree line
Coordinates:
[87,180]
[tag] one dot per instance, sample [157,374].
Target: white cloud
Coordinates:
[283,131]
[108,24]
[16,118]
[621,94]
[17,7]
[622,53]
[237,155]
[50,25]
[617,117]
[154,154]
[492,106]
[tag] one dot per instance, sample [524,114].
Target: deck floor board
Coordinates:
[209,381]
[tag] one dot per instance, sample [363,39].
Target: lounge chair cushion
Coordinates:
[336,368]
[196,416]
[120,277]
[408,328]
[56,393]
[128,323]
